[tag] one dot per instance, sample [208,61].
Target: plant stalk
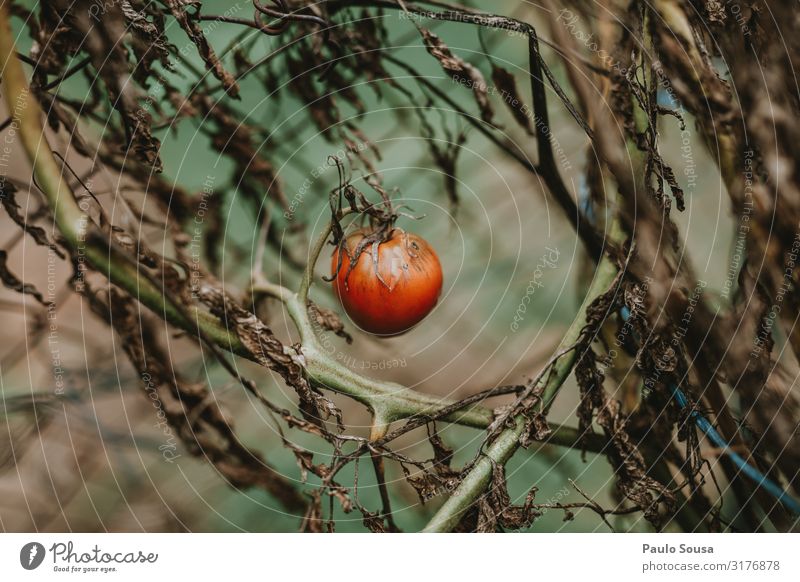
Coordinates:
[501,450]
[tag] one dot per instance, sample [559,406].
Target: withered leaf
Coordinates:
[633,482]
[268,351]
[37,233]
[442,456]
[506,84]
[329,320]
[110,59]
[305,460]
[154,44]
[428,485]
[341,495]
[460,70]
[496,510]
[536,428]
[10,281]
[195,34]
[373,522]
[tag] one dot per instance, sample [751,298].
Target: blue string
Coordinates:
[708,429]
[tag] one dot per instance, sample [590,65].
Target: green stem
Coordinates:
[388,401]
[316,251]
[500,451]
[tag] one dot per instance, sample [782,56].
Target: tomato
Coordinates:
[397,295]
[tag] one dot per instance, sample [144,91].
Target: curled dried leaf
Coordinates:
[461,71]
[210,58]
[10,281]
[37,233]
[495,509]
[268,351]
[329,320]
[506,84]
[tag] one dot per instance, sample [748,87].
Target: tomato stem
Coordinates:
[316,251]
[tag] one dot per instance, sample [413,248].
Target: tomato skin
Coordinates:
[412,283]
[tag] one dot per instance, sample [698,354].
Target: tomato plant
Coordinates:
[392,285]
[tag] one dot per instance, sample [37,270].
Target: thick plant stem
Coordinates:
[316,251]
[500,451]
[389,401]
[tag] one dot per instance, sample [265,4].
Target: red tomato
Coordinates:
[404,290]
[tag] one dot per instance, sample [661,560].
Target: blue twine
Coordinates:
[708,429]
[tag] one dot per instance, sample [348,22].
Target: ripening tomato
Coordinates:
[398,294]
